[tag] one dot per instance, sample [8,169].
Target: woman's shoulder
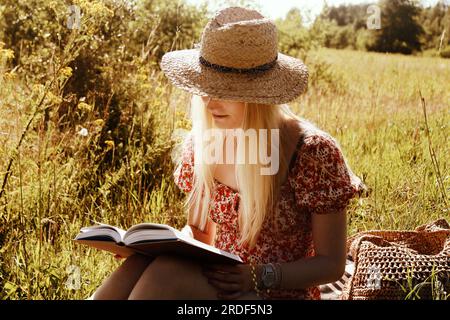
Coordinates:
[321,177]
[314,139]
[318,153]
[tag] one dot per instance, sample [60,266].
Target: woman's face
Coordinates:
[227,114]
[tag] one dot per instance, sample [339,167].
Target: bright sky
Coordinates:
[278,8]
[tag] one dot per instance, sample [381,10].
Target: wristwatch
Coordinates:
[268,275]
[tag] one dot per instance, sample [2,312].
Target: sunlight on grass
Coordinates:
[378,120]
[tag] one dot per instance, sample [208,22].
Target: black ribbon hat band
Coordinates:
[257,69]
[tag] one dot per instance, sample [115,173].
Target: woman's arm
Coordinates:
[205,237]
[328,264]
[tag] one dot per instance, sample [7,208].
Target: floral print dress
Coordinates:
[319,182]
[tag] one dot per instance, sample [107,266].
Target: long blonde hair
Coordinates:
[258,193]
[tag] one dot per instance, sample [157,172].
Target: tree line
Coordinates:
[405,27]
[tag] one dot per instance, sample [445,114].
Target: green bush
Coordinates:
[445,53]
[94,131]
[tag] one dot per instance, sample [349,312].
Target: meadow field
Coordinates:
[390,114]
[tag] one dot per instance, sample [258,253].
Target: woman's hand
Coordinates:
[232,280]
[187,230]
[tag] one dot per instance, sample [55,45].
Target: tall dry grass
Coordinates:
[58,181]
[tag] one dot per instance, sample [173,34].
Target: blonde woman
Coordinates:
[288,224]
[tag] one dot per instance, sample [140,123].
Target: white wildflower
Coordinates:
[83,132]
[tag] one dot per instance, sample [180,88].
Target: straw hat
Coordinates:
[238,59]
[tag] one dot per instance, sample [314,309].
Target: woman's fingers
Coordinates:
[229,278]
[222,267]
[229,295]
[229,281]
[224,277]
[225,286]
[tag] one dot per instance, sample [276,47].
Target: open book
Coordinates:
[152,239]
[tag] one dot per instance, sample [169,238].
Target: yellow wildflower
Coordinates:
[110,144]
[83,106]
[66,72]
[99,122]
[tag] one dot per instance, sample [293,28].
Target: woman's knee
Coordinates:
[133,266]
[138,259]
[120,283]
[168,277]
[167,270]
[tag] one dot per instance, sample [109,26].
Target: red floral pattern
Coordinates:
[319,181]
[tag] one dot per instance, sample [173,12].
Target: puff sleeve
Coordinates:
[322,180]
[184,172]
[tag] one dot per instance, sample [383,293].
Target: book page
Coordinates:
[181,244]
[187,250]
[205,246]
[150,225]
[97,230]
[112,247]
[149,231]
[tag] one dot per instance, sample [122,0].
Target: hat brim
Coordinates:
[285,81]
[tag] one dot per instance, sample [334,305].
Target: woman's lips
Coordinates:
[219,116]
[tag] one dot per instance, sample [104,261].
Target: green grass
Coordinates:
[378,118]
[380,124]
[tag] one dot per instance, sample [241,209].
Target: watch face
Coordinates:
[269,279]
[268,276]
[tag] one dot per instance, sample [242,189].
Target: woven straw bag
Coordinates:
[400,264]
